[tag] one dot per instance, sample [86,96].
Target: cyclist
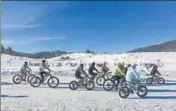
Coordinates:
[25,69]
[131,76]
[42,69]
[79,71]
[92,69]
[155,71]
[104,68]
[118,73]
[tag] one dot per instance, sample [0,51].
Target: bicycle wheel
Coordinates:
[108,85]
[124,92]
[29,77]
[17,79]
[161,80]
[90,85]
[100,80]
[73,85]
[142,91]
[149,81]
[109,75]
[53,82]
[35,81]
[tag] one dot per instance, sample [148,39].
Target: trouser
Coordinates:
[42,75]
[93,74]
[135,82]
[24,74]
[79,77]
[116,78]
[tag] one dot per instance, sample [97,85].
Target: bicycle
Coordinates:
[86,81]
[125,91]
[156,79]
[112,83]
[52,81]
[102,77]
[18,78]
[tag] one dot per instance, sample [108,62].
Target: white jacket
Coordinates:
[43,68]
[24,69]
[131,74]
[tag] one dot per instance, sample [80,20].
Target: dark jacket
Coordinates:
[91,69]
[154,72]
[79,71]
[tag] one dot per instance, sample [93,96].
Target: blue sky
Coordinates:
[76,26]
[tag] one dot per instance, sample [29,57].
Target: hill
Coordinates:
[169,46]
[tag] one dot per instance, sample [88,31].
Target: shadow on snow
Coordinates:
[18,96]
[156,97]
[161,90]
[8,83]
[156,84]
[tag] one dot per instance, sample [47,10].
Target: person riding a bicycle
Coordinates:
[91,70]
[118,73]
[154,71]
[80,71]
[132,76]
[25,69]
[43,68]
[104,68]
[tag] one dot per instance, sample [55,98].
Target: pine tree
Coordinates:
[88,51]
[9,50]
[2,49]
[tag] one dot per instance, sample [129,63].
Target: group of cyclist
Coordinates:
[120,71]
[43,69]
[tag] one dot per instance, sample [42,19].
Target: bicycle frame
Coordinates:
[46,76]
[25,75]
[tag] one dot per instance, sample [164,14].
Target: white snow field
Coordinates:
[23,97]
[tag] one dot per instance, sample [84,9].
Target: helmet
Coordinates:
[43,61]
[119,64]
[25,63]
[134,65]
[81,65]
[93,63]
[155,66]
[128,65]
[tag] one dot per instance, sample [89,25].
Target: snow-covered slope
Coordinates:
[9,60]
[164,58]
[23,97]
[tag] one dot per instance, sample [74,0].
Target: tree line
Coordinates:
[38,55]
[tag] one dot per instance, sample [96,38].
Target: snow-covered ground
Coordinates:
[23,97]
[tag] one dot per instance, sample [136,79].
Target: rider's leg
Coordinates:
[130,85]
[24,76]
[153,76]
[136,82]
[118,81]
[93,75]
[42,75]
[81,81]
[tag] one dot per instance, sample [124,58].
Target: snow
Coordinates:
[23,97]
